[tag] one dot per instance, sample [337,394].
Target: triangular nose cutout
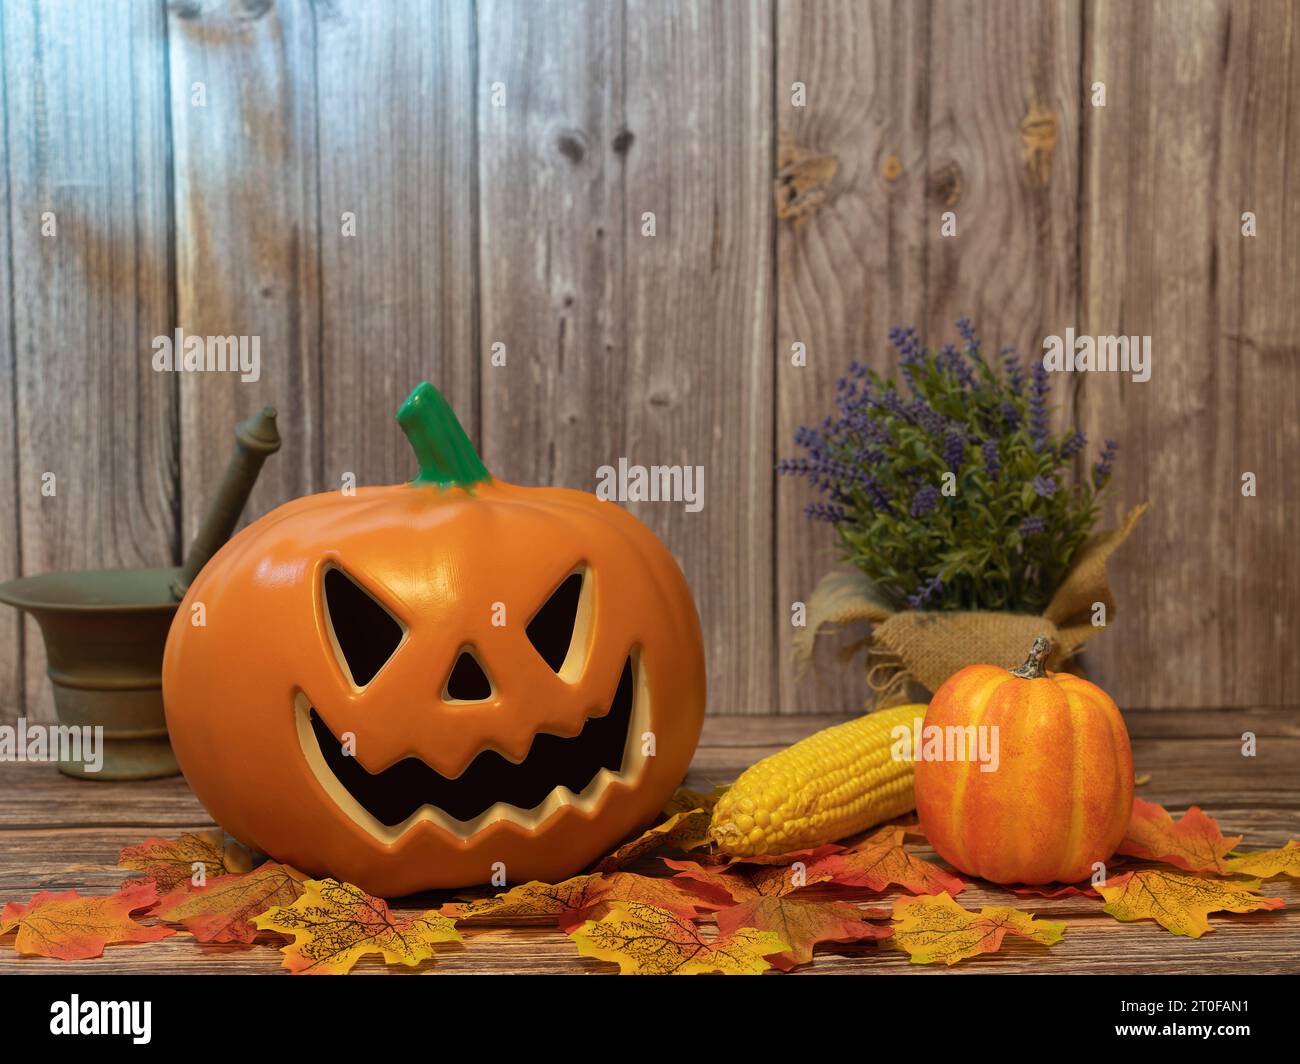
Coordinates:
[467,682]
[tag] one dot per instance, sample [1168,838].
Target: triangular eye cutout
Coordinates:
[467,682]
[551,629]
[364,632]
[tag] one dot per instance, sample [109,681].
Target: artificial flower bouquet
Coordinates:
[968,524]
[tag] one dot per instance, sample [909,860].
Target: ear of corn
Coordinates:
[834,783]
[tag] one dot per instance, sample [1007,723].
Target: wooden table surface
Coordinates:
[57,833]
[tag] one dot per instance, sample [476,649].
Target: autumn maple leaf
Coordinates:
[802,923]
[1180,901]
[573,901]
[734,884]
[70,927]
[222,910]
[1268,863]
[646,940]
[880,861]
[685,830]
[333,925]
[685,800]
[762,898]
[1054,890]
[171,862]
[805,857]
[1194,843]
[935,928]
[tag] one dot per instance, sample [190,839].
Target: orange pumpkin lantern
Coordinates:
[1061,790]
[426,684]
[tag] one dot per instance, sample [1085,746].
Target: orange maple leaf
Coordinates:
[570,903]
[732,884]
[222,910]
[808,856]
[1179,901]
[760,899]
[171,862]
[1194,843]
[935,928]
[333,925]
[882,860]
[1054,890]
[800,924]
[70,927]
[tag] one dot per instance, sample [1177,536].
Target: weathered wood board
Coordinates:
[429,189]
[94,474]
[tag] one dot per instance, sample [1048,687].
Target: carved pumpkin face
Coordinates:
[404,687]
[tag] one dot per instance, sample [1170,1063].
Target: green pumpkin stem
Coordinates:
[1033,668]
[446,456]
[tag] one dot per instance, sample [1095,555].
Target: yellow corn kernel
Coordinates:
[834,783]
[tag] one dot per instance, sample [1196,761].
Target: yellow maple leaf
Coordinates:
[1268,863]
[646,940]
[683,831]
[935,928]
[334,925]
[571,902]
[1179,901]
[685,800]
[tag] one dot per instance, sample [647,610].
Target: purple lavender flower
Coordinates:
[1010,414]
[1044,487]
[925,500]
[1101,471]
[922,413]
[992,460]
[821,511]
[905,340]
[968,333]
[955,363]
[925,593]
[1074,443]
[892,402]
[1014,370]
[877,493]
[954,448]
[811,440]
[1031,526]
[1038,406]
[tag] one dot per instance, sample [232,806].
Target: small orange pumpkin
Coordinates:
[1062,791]
[423,685]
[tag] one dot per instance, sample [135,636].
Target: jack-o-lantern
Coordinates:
[425,684]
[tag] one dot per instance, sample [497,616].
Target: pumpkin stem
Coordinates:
[1033,668]
[446,456]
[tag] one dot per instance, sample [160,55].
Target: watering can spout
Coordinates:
[255,440]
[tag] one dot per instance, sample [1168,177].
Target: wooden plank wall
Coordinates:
[383,193]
